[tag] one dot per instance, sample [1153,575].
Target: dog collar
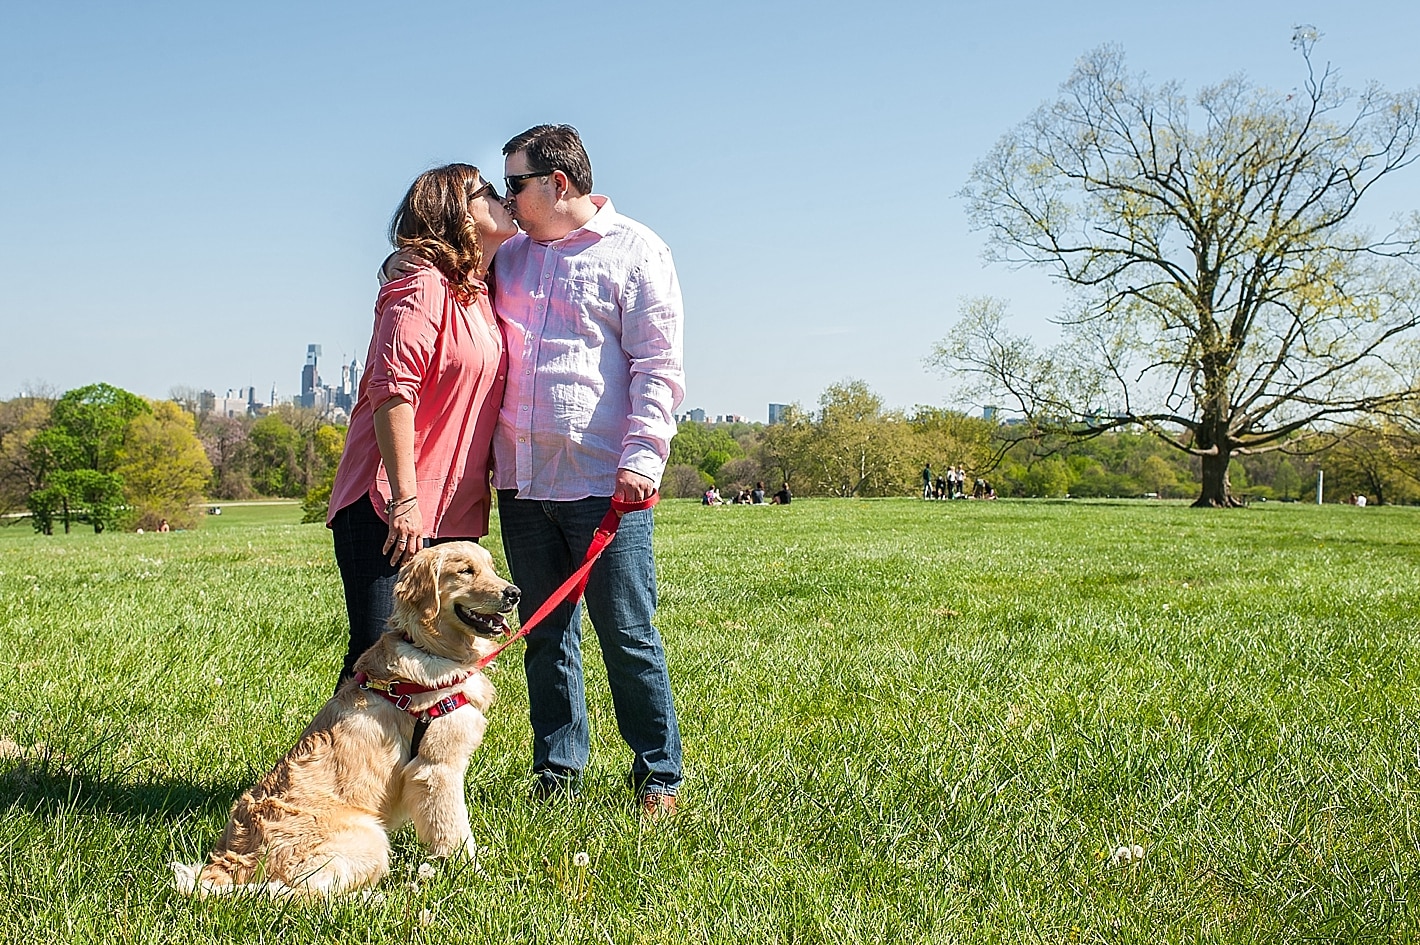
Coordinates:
[400,692]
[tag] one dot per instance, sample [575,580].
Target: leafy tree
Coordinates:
[857,447]
[712,462]
[276,452]
[703,446]
[739,473]
[229,451]
[163,466]
[21,419]
[1158,477]
[1287,481]
[684,481]
[1224,298]
[1376,460]
[329,444]
[72,460]
[783,448]
[77,494]
[1047,477]
[89,424]
[943,437]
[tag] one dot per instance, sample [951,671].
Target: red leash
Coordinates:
[572,588]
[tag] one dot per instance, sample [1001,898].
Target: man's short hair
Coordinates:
[555,148]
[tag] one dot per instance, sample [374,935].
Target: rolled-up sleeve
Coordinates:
[406,334]
[651,335]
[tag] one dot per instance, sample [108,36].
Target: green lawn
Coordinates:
[904,721]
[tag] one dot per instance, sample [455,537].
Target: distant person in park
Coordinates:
[415,466]
[711,497]
[756,494]
[592,307]
[941,490]
[927,481]
[163,526]
[783,496]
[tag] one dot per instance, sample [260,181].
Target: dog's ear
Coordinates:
[418,585]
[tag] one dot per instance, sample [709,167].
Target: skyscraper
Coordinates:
[310,377]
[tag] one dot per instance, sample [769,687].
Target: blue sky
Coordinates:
[192,193]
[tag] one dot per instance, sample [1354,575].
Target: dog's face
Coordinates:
[449,598]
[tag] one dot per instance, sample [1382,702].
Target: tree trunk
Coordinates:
[1217,490]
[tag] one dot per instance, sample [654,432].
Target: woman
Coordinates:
[415,466]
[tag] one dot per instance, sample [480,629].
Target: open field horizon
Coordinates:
[904,721]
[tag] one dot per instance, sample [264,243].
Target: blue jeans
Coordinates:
[544,543]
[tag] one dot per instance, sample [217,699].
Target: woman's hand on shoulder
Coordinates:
[400,265]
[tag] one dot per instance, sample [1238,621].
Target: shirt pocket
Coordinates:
[593,309]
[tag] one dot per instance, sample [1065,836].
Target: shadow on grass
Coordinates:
[45,787]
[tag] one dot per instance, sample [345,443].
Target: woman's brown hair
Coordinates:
[433,222]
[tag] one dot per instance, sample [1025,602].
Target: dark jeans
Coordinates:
[367,574]
[545,542]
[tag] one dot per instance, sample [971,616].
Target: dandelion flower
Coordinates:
[427,871]
[581,860]
[1127,854]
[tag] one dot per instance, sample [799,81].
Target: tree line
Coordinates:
[852,445]
[104,457]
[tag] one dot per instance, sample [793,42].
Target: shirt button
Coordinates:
[522,439]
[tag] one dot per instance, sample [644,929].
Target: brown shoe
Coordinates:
[656,806]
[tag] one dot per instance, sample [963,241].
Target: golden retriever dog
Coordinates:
[319,823]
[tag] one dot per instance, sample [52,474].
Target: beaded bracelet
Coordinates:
[394,504]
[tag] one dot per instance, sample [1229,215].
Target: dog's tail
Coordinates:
[185,877]
[188,879]
[195,879]
[218,876]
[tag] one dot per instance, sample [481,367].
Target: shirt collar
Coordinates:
[605,217]
[598,226]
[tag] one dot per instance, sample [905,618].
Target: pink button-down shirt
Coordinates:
[593,324]
[448,361]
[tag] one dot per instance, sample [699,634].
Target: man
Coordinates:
[592,309]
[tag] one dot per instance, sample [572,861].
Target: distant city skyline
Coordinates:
[338,400]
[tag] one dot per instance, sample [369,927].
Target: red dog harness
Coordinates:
[400,692]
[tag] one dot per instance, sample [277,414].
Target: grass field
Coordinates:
[904,722]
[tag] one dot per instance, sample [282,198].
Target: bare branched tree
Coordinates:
[1225,293]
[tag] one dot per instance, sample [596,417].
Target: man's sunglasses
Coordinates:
[516,183]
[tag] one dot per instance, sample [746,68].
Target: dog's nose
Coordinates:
[512,593]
